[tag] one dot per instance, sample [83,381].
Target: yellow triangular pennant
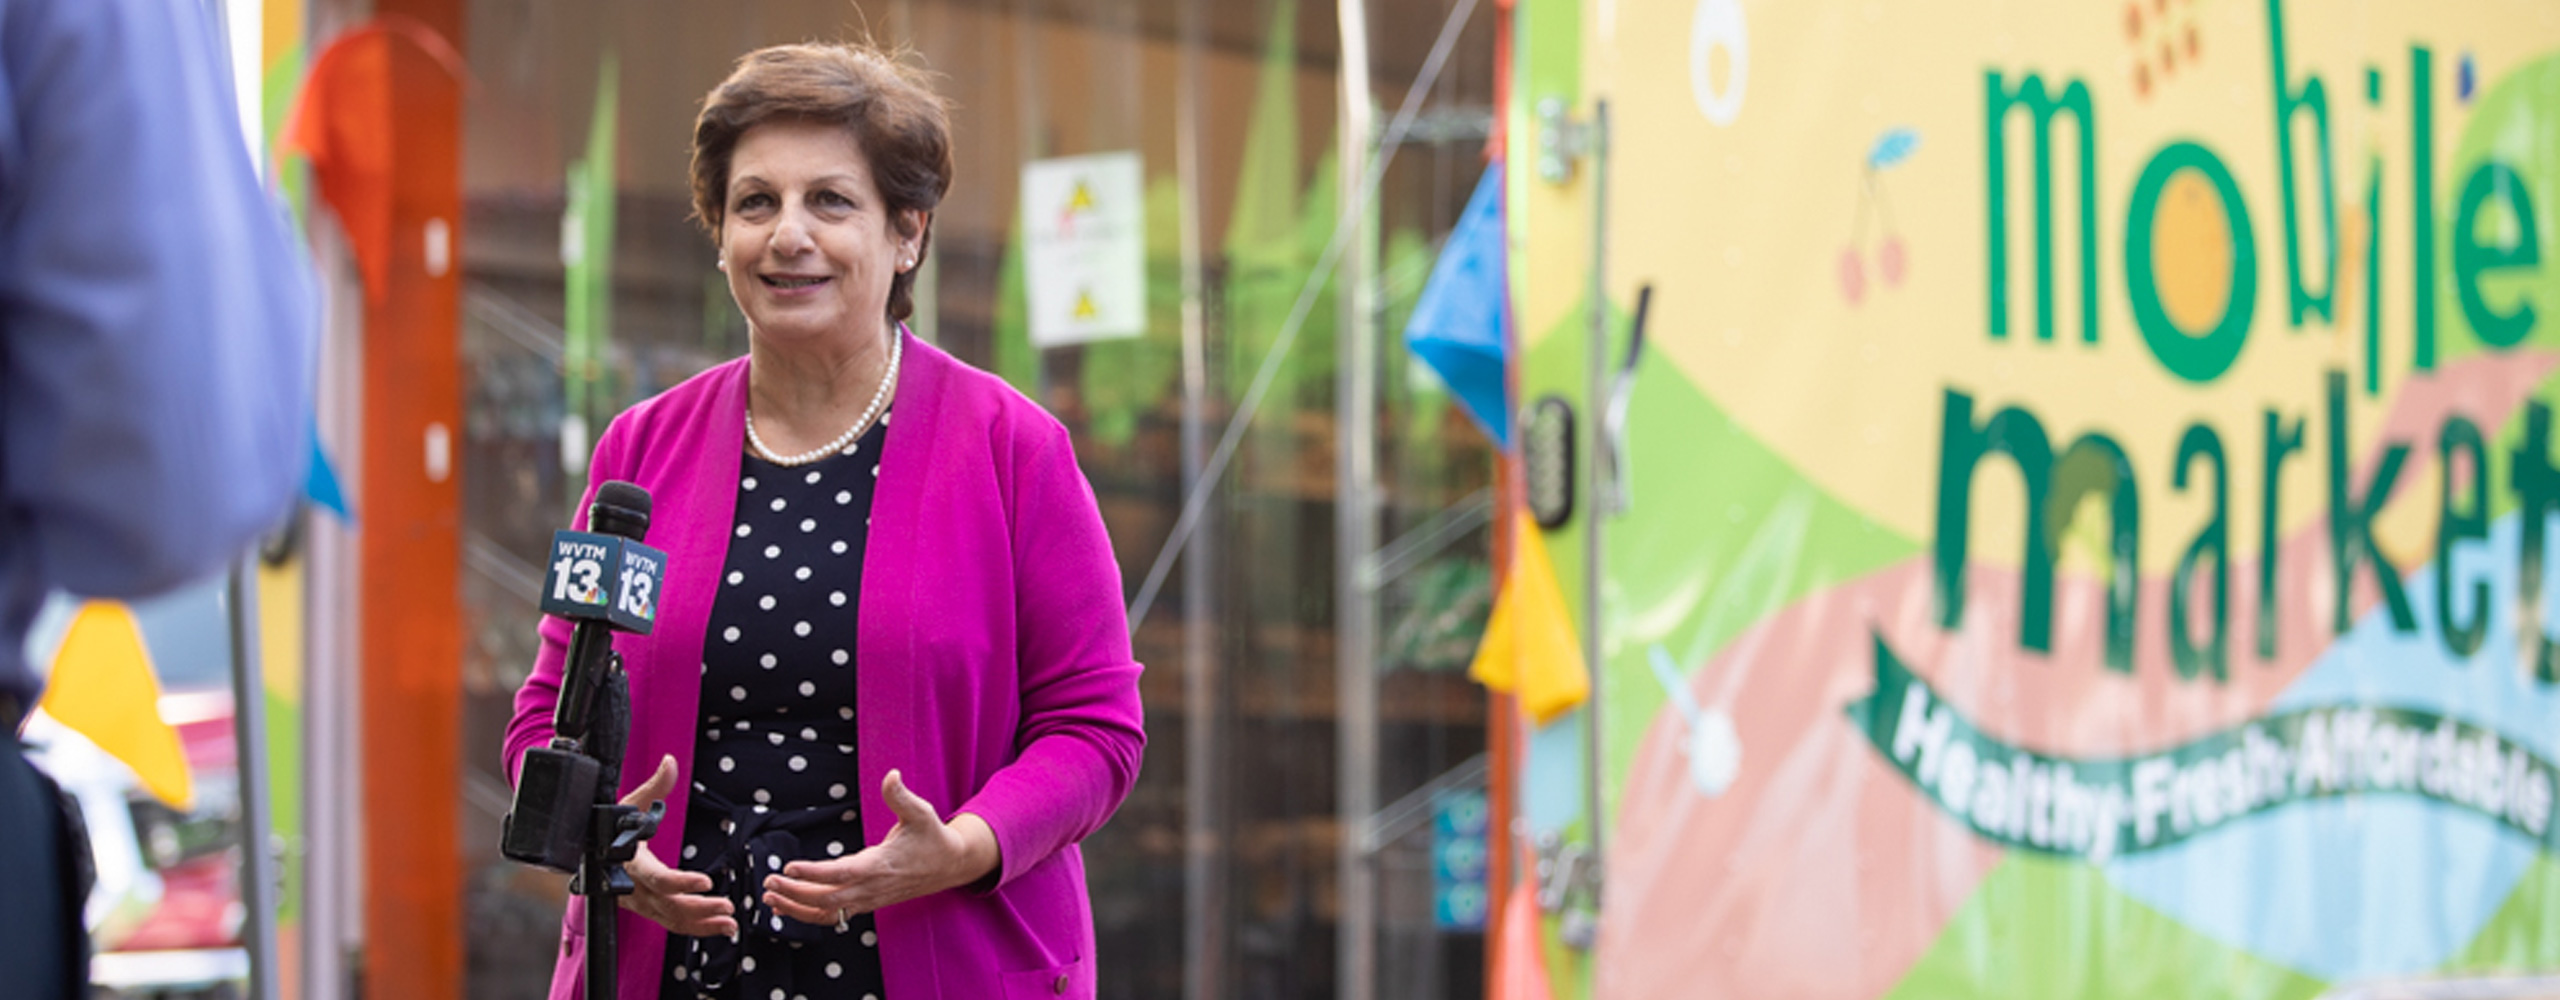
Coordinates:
[103,688]
[1529,647]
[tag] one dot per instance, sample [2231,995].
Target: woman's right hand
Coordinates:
[667,895]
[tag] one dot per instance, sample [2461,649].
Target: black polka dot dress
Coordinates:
[774,778]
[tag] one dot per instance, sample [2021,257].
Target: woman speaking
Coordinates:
[890,688]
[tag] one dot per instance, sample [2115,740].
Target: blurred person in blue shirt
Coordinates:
[156,338]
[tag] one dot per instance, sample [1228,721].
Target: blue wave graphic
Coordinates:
[2383,885]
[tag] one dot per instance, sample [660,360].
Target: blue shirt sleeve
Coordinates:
[156,325]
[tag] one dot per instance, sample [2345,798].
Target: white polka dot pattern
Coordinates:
[779,657]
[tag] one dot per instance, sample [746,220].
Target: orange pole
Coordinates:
[412,642]
[1501,716]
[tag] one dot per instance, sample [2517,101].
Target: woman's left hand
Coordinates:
[921,855]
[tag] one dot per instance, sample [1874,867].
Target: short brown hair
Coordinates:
[902,126]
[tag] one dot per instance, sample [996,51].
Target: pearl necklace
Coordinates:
[879,398]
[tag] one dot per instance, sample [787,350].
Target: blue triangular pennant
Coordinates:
[1461,324]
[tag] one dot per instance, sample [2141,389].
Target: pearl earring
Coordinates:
[723,264]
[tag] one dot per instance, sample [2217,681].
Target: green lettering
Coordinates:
[2041,106]
[2282,442]
[2096,463]
[2314,98]
[2373,251]
[2519,247]
[2186,354]
[2422,205]
[2351,518]
[2214,543]
[2461,638]
[2019,435]
[2537,489]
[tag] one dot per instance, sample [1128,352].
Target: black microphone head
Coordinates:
[620,509]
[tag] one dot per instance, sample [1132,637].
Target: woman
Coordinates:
[930,610]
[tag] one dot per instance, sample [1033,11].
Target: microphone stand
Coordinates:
[567,815]
[614,831]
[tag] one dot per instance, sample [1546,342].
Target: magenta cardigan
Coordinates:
[994,668]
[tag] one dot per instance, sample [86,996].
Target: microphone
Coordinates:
[605,581]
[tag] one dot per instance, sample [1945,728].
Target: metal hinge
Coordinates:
[1562,140]
[1568,877]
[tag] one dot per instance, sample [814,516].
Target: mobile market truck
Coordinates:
[2080,520]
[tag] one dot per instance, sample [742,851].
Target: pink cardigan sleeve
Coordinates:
[1081,738]
[535,701]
